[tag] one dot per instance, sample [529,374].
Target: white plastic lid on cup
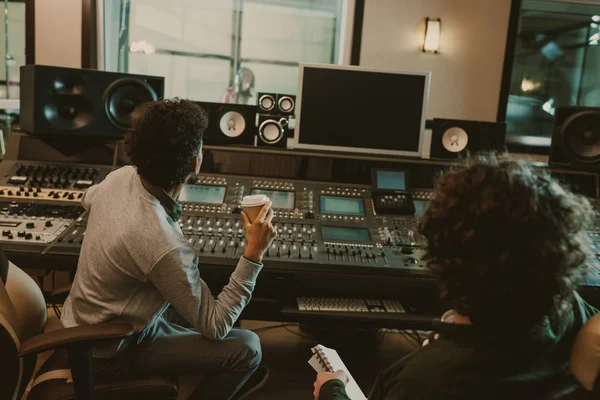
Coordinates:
[254,200]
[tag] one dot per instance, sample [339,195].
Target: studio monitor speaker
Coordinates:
[272,131]
[79,102]
[229,124]
[279,104]
[576,138]
[455,138]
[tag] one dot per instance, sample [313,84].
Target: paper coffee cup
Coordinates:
[253,204]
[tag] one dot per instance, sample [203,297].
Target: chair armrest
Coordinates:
[84,335]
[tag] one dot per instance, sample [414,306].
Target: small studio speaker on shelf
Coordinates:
[272,131]
[576,138]
[79,102]
[453,138]
[229,124]
[280,104]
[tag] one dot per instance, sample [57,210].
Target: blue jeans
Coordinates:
[173,348]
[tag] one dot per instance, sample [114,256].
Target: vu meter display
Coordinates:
[342,205]
[203,194]
[279,198]
[337,233]
[391,180]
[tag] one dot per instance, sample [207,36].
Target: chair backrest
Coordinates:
[22,315]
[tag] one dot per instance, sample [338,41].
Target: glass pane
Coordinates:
[556,63]
[16,48]
[199,46]
[284,32]
[273,79]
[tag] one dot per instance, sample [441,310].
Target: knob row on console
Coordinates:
[342,217]
[46,194]
[216,180]
[7,233]
[273,185]
[341,193]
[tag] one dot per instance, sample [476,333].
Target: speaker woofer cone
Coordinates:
[286,104]
[581,136]
[123,96]
[69,112]
[271,131]
[232,124]
[455,139]
[266,102]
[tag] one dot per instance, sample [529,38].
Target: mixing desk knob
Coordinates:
[6,232]
[21,234]
[28,236]
[48,224]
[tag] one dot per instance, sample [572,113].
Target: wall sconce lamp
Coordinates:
[433,29]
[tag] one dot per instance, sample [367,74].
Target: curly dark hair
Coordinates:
[506,241]
[165,137]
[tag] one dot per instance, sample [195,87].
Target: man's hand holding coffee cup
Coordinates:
[259,232]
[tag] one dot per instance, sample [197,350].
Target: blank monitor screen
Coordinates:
[357,110]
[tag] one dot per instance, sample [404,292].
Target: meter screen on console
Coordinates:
[391,180]
[202,194]
[279,198]
[342,205]
[337,233]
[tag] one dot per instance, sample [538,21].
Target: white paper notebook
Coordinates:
[328,360]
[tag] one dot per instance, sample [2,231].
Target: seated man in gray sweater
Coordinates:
[135,263]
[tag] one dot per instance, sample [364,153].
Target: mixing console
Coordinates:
[319,226]
[46,181]
[33,225]
[54,176]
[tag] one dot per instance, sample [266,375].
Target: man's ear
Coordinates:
[195,166]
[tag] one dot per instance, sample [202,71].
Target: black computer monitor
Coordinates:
[360,110]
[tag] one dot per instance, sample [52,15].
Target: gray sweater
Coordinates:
[135,261]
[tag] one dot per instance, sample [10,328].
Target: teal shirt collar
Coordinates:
[172,207]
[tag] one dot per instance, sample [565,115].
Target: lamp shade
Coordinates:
[433,29]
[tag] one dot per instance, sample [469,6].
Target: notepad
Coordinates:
[328,360]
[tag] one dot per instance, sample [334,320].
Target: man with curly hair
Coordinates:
[135,263]
[507,244]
